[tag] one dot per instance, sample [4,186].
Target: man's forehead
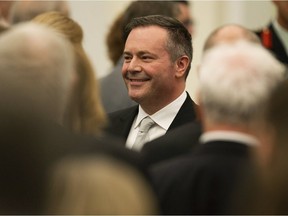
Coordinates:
[147,33]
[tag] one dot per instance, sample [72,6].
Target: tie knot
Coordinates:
[146,124]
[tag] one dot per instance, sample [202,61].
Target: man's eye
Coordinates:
[127,58]
[146,57]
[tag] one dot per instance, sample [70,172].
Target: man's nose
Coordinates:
[134,65]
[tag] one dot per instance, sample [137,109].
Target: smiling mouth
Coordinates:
[138,80]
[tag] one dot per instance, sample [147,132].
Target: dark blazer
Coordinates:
[203,181]
[277,47]
[30,147]
[122,120]
[178,141]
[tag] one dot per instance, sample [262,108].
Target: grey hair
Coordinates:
[36,69]
[236,81]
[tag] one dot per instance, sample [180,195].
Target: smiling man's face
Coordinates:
[148,71]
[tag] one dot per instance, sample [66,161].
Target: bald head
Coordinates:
[229,34]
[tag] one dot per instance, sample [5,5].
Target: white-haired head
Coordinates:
[236,81]
[36,70]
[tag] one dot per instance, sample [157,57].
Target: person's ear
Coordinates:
[181,66]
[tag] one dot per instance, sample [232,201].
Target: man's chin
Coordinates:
[135,97]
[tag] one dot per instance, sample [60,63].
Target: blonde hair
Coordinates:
[85,114]
[99,186]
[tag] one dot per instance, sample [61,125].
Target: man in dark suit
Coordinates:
[113,90]
[274,36]
[203,181]
[157,60]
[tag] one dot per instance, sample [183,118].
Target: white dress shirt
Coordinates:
[163,119]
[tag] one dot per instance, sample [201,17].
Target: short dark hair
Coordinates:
[179,39]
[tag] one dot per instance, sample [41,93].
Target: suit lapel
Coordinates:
[185,115]
[277,46]
[126,120]
[121,121]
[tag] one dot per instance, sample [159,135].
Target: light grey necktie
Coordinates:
[141,138]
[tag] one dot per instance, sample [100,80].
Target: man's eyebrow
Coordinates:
[138,53]
[144,52]
[127,53]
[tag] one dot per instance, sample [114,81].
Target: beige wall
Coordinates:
[96,17]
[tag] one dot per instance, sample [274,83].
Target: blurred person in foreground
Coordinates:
[37,75]
[85,113]
[269,181]
[272,197]
[235,82]
[36,70]
[99,186]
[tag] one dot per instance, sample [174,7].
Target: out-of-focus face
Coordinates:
[282,8]
[185,17]
[148,71]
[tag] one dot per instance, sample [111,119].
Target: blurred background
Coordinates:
[96,18]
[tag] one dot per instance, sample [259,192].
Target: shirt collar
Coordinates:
[166,115]
[229,136]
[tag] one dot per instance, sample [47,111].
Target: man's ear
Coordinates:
[181,66]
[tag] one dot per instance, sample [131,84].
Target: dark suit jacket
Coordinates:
[202,182]
[178,141]
[122,120]
[277,47]
[30,147]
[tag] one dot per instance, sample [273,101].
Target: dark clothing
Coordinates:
[122,120]
[179,141]
[272,42]
[29,150]
[203,181]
